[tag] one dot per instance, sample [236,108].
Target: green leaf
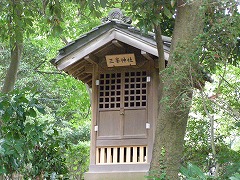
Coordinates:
[2,150]
[55,132]
[193,172]
[103,3]
[167,12]
[184,171]
[23,99]
[237,124]
[18,147]
[41,109]
[1,106]
[2,170]
[6,116]
[32,112]
[28,127]
[235,177]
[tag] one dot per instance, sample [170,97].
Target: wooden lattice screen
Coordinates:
[135,92]
[116,155]
[131,86]
[110,91]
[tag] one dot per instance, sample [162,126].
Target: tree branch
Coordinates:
[211,118]
[45,72]
[161,59]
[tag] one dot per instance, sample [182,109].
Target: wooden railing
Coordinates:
[121,155]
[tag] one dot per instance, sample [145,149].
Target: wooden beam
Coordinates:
[86,77]
[88,81]
[146,55]
[103,49]
[72,66]
[81,76]
[72,69]
[91,59]
[79,71]
[89,68]
[118,44]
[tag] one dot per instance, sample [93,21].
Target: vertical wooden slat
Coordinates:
[121,154]
[146,159]
[135,154]
[115,155]
[102,155]
[109,159]
[141,154]
[97,155]
[128,158]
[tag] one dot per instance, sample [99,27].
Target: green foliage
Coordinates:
[192,172]
[47,158]
[67,103]
[222,102]
[18,132]
[235,176]
[220,40]
[161,174]
[67,107]
[27,145]
[232,170]
[148,13]
[78,166]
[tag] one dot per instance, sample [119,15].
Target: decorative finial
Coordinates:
[117,15]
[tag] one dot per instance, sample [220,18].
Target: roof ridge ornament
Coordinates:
[117,15]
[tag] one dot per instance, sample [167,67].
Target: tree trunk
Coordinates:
[11,75]
[177,92]
[15,26]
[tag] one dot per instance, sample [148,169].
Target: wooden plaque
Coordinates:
[120,60]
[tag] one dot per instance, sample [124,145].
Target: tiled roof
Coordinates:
[103,28]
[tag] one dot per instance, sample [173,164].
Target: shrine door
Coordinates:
[122,105]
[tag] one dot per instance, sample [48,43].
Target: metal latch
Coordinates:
[97,83]
[148,126]
[148,78]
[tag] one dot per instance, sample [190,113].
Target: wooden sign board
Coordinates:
[120,60]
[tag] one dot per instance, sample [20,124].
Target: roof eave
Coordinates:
[114,34]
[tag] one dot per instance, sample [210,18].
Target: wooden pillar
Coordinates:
[94,116]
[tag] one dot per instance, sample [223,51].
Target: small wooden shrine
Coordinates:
[120,64]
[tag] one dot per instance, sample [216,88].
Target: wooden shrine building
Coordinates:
[120,64]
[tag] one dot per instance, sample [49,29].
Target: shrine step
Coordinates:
[115,176]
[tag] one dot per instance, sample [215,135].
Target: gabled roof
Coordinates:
[78,57]
[104,34]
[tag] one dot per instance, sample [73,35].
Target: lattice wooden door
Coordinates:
[122,107]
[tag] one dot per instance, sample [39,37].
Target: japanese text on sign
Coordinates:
[120,60]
